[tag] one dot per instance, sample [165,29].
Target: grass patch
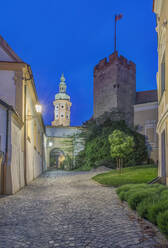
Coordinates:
[130,175]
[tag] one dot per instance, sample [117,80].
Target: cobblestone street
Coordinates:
[68,209]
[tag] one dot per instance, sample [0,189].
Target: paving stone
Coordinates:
[68,209]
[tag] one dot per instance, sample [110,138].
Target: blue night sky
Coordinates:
[71,36]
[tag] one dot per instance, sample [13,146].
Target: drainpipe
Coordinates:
[6,153]
[43,154]
[25,126]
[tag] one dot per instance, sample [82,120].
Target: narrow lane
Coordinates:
[67,209]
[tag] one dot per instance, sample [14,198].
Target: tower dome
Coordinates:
[62,90]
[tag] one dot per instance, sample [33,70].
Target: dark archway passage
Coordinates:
[57,156]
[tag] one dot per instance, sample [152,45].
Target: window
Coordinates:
[62,116]
[67,117]
[57,106]
[56,116]
[62,106]
[163,74]
[150,132]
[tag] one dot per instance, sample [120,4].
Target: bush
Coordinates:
[125,188]
[80,159]
[164,194]
[97,146]
[136,197]
[143,207]
[162,222]
[155,209]
[107,163]
[150,201]
[151,192]
[67,163]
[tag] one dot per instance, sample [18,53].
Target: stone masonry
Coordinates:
[67,209]
[115,88]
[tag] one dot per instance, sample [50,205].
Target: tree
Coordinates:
[121,146]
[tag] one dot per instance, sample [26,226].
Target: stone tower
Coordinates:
[115,89]
[62,104]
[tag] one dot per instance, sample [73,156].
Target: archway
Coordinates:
[57,157]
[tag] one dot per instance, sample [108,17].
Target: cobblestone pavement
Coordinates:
[65,209]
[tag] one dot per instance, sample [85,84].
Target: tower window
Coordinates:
[57,106]
[62,106]
[67,117]
[62,116]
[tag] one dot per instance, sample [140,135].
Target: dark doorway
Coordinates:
[56,158]
[163,154]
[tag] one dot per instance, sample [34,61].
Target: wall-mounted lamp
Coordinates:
[50,144]
[38,109]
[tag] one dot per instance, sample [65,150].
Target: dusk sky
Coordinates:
[71,36]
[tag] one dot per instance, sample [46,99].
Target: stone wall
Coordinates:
[66,139]
[145,118]
[115,87]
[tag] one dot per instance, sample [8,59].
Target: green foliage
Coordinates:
[162,222]
[143,207]
[130,175]
[150,201]
[135,198]
[121,144]
[155,209]
[97,146]
[68,163]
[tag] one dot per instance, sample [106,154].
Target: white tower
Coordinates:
[62,104]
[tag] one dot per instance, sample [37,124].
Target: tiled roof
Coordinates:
[146,96]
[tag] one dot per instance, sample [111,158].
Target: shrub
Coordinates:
[143,206]
[80,159]
[150,201]
[97,146]
[136,196]
[162,222]
[164,194]
[124,188]
[107,163]
[127,190]
[155,209]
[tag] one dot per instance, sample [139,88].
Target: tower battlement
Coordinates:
[115,87]
[115,59]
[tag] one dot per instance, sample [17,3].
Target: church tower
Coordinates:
[62,106]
